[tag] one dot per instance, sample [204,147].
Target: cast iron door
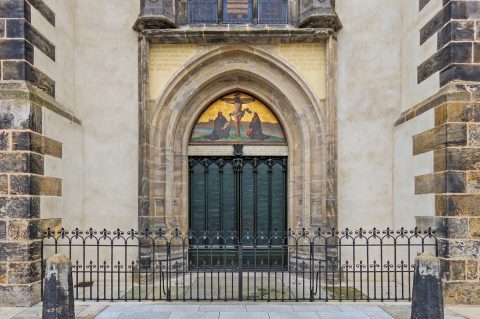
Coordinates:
[234,200]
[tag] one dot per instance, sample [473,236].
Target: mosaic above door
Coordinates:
[238,118]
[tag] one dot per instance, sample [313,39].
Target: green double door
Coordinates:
[237,201]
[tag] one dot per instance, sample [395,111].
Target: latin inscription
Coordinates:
[169,57]
[306,57]
[164,61]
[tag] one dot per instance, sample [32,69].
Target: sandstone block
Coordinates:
[466,293]
[457,204]
[20,295]
[449,134]
[24,272]
[474,227]
[19,207]
[473,270]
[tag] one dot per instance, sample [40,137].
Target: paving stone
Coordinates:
[243,315]
[145,315]
[194,315]
[223,308]
[176,308]
[287,315]
[315,308]
[343,315]
[269,308]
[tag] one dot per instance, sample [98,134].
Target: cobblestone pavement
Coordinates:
[238,310]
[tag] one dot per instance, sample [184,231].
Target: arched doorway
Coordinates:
[233,194]
[167,123]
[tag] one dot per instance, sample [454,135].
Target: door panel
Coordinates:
[241,195]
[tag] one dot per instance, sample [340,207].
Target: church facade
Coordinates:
[243,115]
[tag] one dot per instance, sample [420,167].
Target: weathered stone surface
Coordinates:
[456,227]
[474,135]
[466,293]
[24,162]
[449,134]
[3,229]
[12,9]
[461,159]
[20,70]
[15,28]
[422,4]
[58,300]
[473,270]
[457,112]
[34,142]
[3,273]
[453,269]
[20,114]
[24,272]
[476,52]
[2,28]
[455,52]
[23,229]
[457,205]
[20,295]
[3,184]
[463,72]
[459,248]
[19,207]
[35,185]
[456,31]
[39,41]
[473,182]
[474,227]
[44,10]
[444,182]
[19,251]
[4,141]
[427,301]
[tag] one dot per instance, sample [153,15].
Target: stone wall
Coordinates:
[451,142]
[29,150]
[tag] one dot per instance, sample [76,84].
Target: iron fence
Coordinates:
[360,265]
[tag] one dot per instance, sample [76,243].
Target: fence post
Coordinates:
[58,301]
[240,271]
[312,273]
[169,292]
[427,301]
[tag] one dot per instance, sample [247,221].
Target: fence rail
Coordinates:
[356,265]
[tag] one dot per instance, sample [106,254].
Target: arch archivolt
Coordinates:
[219,72]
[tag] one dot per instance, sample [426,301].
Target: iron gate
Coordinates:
[237,195]
[320,265]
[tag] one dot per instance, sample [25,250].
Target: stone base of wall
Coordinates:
[455,142]
[20,295]
[23,183]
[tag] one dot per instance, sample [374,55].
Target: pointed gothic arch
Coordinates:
[207,77]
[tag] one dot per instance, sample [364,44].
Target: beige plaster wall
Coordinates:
[369,73]
[413,54]
[406,204]
[62,35]
[69,168]
[106,100]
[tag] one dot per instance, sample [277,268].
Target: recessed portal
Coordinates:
[235,198]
